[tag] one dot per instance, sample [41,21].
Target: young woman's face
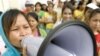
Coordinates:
[33,23]
[50,8]
[95,22]
[44,7]
[61,4]
[38,7]
[67,14]
[18,30]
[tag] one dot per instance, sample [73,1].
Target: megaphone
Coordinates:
[72,38]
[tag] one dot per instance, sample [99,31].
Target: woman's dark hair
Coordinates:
[10,18]
[71,1]
[34,15]
[94,12]
[69,6]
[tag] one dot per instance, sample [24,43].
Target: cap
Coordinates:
[28,3]
[92,6]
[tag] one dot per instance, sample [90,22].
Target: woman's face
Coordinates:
[50,8]
[38,7]
[61,4]
[95,22]
[44,7]
[18,30]
[67,14]
[33,23]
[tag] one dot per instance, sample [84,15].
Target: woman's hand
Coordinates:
[99,53]
[24,51]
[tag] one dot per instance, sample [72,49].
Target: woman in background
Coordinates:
[50,17]
[33,21]
[67,14]
[40,13]
[94,23]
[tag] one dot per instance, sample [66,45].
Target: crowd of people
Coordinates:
[39,19]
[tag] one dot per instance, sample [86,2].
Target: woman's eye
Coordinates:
[95,20]
[14,29]
[26,27]
[65,13]
[31,21]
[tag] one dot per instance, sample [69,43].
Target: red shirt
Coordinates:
[97,41]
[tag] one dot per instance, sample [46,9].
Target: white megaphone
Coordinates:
[72,38]
[32,44]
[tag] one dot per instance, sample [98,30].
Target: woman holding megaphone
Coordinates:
[15,31]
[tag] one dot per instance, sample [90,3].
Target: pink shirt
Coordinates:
[36,33]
